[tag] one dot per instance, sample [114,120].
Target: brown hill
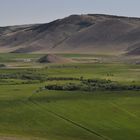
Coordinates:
[91,33]
[51,58]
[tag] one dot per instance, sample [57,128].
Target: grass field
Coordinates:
[67,115]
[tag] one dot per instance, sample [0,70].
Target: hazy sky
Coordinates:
[37,11]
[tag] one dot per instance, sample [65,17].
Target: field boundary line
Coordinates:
[125,110]
[72,122]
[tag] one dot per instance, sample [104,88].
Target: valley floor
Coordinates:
[29,111]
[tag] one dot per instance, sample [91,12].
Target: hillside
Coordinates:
[93,33]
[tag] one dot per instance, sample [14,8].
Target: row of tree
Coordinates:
[92,85]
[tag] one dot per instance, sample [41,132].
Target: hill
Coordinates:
[92,33]
[51,58]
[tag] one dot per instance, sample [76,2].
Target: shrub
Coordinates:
[2,65]
[92,85]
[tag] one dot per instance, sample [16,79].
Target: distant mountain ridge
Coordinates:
[91,33]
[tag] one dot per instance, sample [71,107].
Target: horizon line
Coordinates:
[95,14]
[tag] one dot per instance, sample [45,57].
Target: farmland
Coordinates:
[29,111]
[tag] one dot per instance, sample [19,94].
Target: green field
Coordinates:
[31,114]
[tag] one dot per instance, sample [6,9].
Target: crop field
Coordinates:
[75,101]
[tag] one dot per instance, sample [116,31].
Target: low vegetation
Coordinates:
[92,85]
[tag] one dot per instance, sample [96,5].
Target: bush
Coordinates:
[2,65]
[54,87]
[71,87]
[92,85]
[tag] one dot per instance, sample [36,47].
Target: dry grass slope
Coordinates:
[75,34]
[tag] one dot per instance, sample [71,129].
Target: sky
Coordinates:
[17,12]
